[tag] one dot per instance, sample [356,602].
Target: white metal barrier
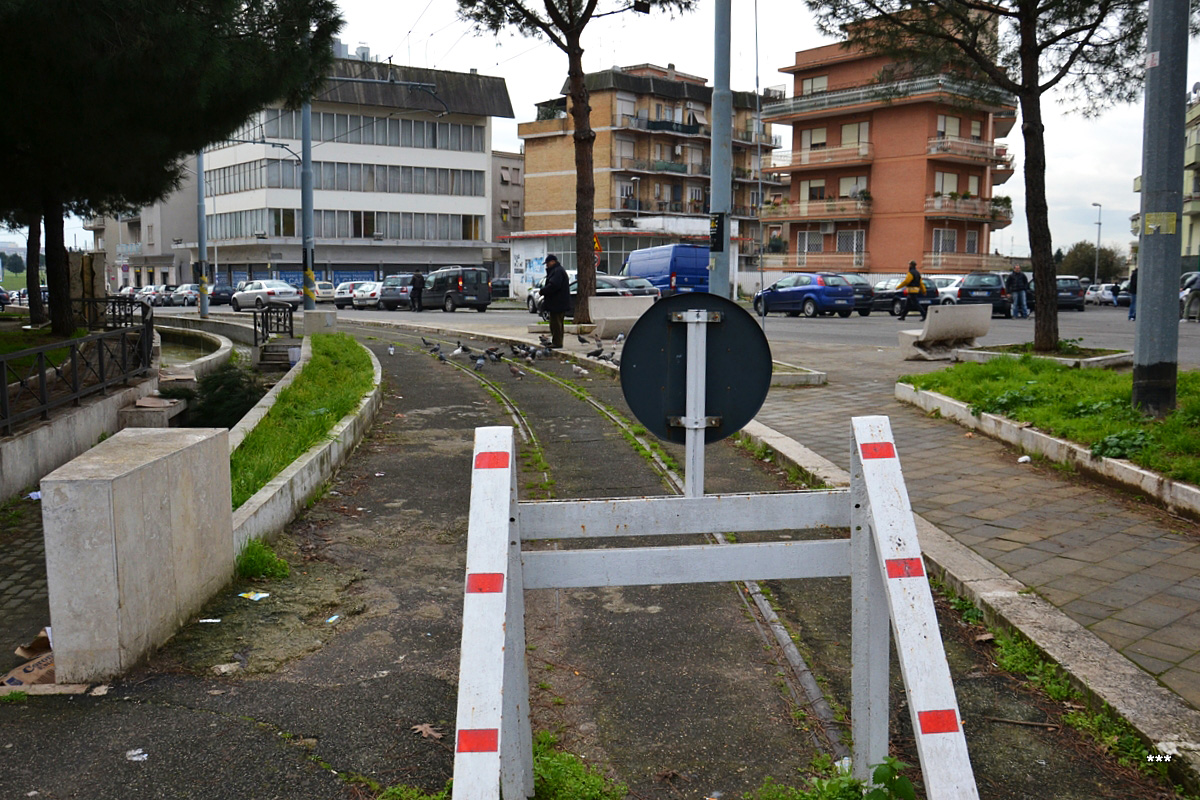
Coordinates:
[493,749]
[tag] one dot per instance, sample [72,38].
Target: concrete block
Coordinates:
[320,322]
[138,536]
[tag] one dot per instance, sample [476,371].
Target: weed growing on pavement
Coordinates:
[558,775]
[1117,737]
[258,560]
[832,784]
[14,698]
[1093,407]
[409,793]
[329,387]
[1018,655]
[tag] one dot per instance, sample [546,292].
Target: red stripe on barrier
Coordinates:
[878,450]
[945,721]
[494,459]
[480,740]
[904,568]
[485,582]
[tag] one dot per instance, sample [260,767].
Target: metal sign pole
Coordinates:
[694,421]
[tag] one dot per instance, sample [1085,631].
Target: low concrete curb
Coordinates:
[981,355]
[275,505]
[784,374]
[1160,716]
[252,417]
[1182,498]
[208,363]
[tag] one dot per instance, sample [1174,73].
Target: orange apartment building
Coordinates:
[652,157]
[887,172]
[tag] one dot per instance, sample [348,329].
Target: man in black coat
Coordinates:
[416,290]
[556,299]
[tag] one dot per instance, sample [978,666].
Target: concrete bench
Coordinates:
[614,315]
[946,327]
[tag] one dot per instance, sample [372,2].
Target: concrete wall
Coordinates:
[137,539]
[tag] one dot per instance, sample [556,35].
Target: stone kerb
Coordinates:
[275,505]
[1179,497]
[209,362]
[137,539]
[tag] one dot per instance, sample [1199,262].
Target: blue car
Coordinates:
[808,293]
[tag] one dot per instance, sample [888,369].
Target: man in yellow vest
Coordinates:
[913,287]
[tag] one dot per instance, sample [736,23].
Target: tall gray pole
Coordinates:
[1156,343]
[1096,267]
[722,155]
[306,206]
[202,233]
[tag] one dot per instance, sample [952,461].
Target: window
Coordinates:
[812,139]
[286,130]
[976,130]
[455,137]
[328,175]
[343,177]
[973,185]
[273,174]
[947,126]
[368,130]
[696,194]
[354,129]
[368,178]
[150,234]
[852,186]
[516,212]
[810,242]
[516,176]
[356,177]
[625,106]
[814,85]
[945,182]
[812,190]
[505,176]
[945,240]
[503,212]
[393,133]
[855,133]
[972,243]
[340,123]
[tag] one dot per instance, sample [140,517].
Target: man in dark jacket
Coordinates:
[416,290]
[1133,294]
[1018,287]
[556,299]
[912,286]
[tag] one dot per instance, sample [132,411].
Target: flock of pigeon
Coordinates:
[522,352]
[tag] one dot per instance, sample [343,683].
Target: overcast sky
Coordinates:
[1090,160]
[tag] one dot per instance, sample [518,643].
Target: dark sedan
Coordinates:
[220,294]
[864,295]
[888,298]
[986,287]
[1070,293]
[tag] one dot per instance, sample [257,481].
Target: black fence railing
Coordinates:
[40,379]
[106,313]
[273,319]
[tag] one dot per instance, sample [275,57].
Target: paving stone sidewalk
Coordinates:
[1121,567]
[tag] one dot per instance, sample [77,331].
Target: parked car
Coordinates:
[220,294]
[892,300]
[533,300]
[639,287]
[1070,293]
[343,295]
[1122,294]
[986,287]
[188,294]
[670,267]
[165,290]
[606,286]
[1100,294]
[453,287]
[367,295]
[258,293]
[864,294]
[324,291]
[149,294]
[127,291]
[501,287]
[3,298]
[810,293]
[947,286]
[394,292]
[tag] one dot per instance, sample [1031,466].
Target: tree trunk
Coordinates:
[1037,219]
[58,272]
[33,270]
[585,181]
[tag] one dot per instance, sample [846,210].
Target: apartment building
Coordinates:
[652,158]
[508,198]
[888,170]
[402,178]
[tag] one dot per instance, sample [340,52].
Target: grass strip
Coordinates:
[13,341]
[1093,407]
[328,388]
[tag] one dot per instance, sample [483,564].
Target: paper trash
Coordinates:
[39,646]
[255,596]
[39,670]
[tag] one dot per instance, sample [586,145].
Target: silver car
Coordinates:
[257,294]
[187,294]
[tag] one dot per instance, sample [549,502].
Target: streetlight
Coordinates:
[637,201]
[1096,272]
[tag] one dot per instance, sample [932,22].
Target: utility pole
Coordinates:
[1096,269]
[306,206]
[722,155]
[1156,340]
[201,233]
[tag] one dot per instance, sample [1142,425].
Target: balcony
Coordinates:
[94,223]
[971,208]
[962,262]
[755,137]
[753,175]
[974,92]
[1191,156]
[129,249]
[832,209]
[1191,205]
[831,262]
[676,207]
[822,157]
[667,126]
[953,148]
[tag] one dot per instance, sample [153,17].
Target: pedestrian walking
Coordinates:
[416,290]
[1018,287]
[1191,297]
[913,288]
[1133,294]
[556,299]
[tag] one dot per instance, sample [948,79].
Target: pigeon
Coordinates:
[479,362]
[545,340]
[616,361]
[516,371]
[391,349]
[582,339]
[436,349]
[443,359]
[426,342]
[459,351]
[597,340]
[596,353]
[462,347]
[546,352]
[620,338]
[578,370]
[494,357]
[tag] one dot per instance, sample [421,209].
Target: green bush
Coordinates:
[558,775]
[224,397]
[258,560]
